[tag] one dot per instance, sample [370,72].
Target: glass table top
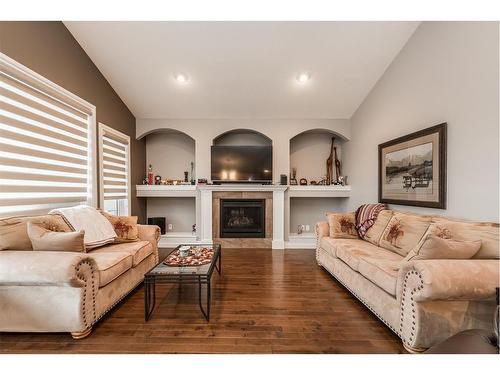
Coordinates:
[163,269]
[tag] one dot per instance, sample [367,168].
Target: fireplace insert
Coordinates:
[242,218]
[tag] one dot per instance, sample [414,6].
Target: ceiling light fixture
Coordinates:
[303,77]
[181,78]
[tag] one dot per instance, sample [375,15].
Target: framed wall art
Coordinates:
[412,169]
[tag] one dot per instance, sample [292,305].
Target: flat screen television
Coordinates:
[242,164]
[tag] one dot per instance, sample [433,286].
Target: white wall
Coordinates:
[447,72]
[311,210]
[203,131]
[170,154]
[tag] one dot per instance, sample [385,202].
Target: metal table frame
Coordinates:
[150,280]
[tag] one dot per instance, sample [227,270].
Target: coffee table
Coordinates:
[164,274]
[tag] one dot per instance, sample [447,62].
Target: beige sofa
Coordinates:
[422,301]
[54,291]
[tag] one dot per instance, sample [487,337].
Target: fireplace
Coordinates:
[242,218]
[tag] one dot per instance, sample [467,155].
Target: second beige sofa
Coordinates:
[424,301]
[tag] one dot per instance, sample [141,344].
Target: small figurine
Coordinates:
[157,180]
[150,175]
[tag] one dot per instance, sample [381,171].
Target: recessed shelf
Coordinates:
[319,191]
[166,190]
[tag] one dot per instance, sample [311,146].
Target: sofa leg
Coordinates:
[411,350]
[82,334]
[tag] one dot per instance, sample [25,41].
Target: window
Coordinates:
[47,146]
[114,166]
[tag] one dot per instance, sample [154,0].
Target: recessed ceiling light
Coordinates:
[181,78]
[303,77]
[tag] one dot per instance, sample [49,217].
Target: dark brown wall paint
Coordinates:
[49,49]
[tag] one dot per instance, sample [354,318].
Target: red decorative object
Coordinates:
[198,256]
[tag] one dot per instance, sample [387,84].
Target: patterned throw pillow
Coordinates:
[442,247]
[43,239]
[342,225]
[125,227]
[13,230]
[403,232]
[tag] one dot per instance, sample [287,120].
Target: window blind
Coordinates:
[44,149]
[114,156]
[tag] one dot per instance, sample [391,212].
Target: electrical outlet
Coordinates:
[170,226]
[307,227]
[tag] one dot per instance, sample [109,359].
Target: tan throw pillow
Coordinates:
[374,234]
[13,230]
[125,227]
[434,247]
[403,232]
[342,225]
[46,240]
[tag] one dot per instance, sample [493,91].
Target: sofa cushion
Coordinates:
[14,233]
[382,272]
[404,231]
[328,244]
[460,230]
[352,251]
[139,250]
[374,234]
[342,225]
[111,265]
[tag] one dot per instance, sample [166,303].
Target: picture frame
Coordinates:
[412,169]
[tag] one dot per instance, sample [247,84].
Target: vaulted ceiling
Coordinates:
[242,69]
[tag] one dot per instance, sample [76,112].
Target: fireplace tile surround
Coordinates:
[235,242]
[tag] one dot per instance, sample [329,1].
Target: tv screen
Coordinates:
[242,163]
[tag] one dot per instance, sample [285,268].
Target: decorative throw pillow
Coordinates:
[403,232]
[435,247]
[374,234]
[342,225]
[125,227]
[14,234]
[46,240]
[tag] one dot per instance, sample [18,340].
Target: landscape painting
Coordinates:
[412,169]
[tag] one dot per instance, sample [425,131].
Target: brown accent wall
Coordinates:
[49,49]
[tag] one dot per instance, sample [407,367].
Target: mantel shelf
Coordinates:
[319,191]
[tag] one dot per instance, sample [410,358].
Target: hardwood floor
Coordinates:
[266,301]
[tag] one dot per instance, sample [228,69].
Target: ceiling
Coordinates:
[242,69]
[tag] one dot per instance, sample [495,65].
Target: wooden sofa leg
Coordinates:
[82,334]
[413,350]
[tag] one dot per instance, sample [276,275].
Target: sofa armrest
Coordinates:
[450,279]
[322,229]
[442,297]
[46,268]
[150,233]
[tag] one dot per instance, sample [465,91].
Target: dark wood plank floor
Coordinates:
[267,301]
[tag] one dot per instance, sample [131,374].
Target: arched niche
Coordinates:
[242,137]
[170,152]
[309,151]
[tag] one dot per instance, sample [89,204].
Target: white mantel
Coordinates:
[203,195]
[278,241]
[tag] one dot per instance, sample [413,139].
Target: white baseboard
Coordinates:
[301,241]
[278,244]
[174,239]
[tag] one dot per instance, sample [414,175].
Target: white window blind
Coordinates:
[114,155]
[45,144]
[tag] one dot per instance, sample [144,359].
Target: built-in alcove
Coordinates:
[242,137]
[309,151]
[170,153]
